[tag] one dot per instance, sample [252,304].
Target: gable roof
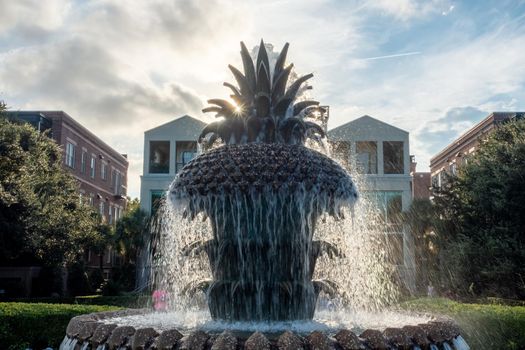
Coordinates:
[366,128]
[185,119]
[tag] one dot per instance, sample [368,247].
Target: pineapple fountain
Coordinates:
[262,192]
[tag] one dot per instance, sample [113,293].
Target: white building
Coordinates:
[380,152]
[167,148]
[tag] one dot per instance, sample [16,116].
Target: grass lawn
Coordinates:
[484,326]
[37,326]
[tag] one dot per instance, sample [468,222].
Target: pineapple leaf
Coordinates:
[211,128]
[279,85]
[217,110]
[228,109]
[262,57]
[316,127]
[279,64]
[249,70]
[299,107]
[242,82]
[263,81]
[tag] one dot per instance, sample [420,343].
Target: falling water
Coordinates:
[351,271]
[460,343]
[68,343]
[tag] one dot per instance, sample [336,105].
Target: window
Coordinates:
[112,179]
[102,209]
[104,171]
[92,167]
[117,182]
[442,180]
[435,181]
[159,157]
[366,156]
[110,215]
[187,156]
[393,157]
[394,248]
[390,205]
[186,151]
[108,255]
[70,155]
[341,151]
[453,169]
[156,199]
[91,199]
[83,160]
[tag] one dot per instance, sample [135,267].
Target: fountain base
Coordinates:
[99,331]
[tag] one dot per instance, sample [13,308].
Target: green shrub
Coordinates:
[126,300]
[24,325]
[487,326]
[112,288]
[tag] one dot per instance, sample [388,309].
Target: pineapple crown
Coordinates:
[264,108]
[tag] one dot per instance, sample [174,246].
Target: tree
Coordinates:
[421,219]
[130,233]
[480,218]
[41,219]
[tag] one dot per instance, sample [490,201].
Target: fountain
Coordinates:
[260,194]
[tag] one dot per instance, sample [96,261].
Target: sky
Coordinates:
[433,68]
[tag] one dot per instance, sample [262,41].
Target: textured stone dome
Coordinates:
[263,166]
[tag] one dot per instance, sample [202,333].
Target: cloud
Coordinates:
[392,56]
[27,19]
[442,131]
[409,9]
[435,135]
[82,78]
[117,67]
[462,114]
[123,67]
[484,71]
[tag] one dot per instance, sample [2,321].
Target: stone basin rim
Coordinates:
[86,327]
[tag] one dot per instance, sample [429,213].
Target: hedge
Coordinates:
[37,326]
[484,326]
[129,301]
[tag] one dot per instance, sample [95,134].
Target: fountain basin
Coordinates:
[143,329]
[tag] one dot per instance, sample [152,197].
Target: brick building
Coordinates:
[100,170]
[460,150]
[420,181]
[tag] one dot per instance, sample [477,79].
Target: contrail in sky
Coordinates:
[392,56]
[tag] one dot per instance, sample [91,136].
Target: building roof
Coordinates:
[183,119]
[474,133]
[54,115]
[363,127]
[185,128]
